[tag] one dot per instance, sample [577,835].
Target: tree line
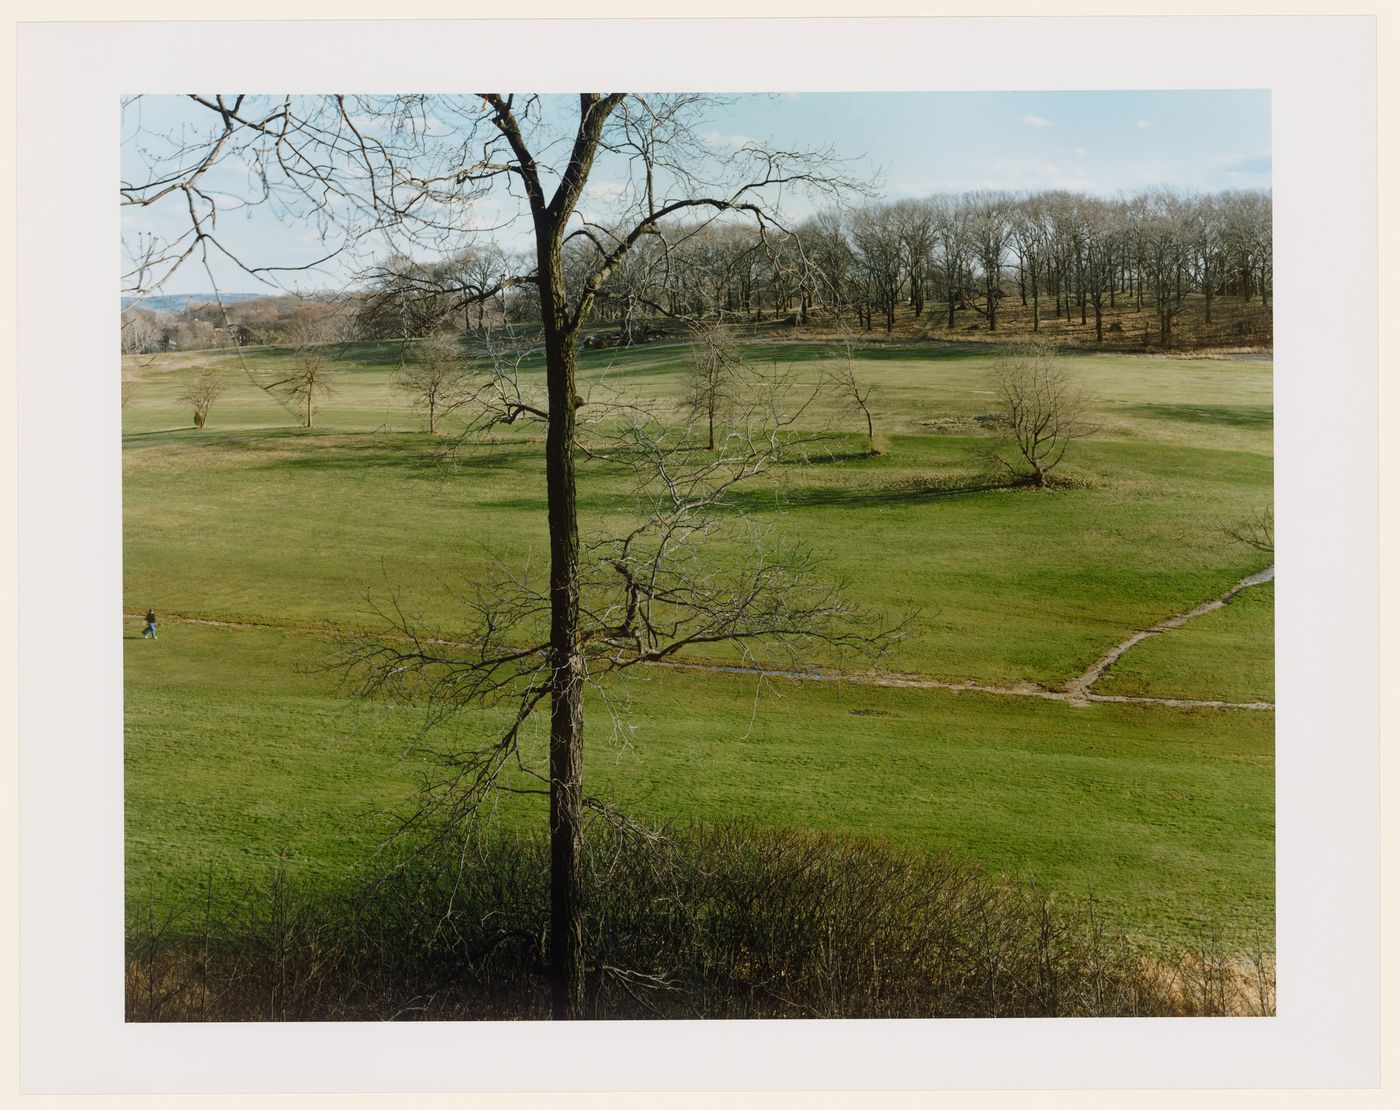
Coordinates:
[947,260]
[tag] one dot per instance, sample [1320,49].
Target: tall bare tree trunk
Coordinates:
[566,658]
[1035,299]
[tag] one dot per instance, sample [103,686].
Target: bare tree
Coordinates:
[1101,234]
[310,377]
[1030,222]
[411,167]
[825,247]
[1164,225]
[954,246]
[1210,248]
[854,389]
[915,222]
[204,389]
[497,391]
[140,333]
[1256,531]
[989,223]
[436,378]
[714,377]
[1045,412]
[692,570]
[879,254]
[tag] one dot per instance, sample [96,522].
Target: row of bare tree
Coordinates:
[1061,254]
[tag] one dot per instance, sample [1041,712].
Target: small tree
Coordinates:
[716,365]
[206,388]
[436,377]
[849,385]
[1045,411]
[1257,531]
[310,377]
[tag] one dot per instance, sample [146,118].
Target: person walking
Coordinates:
[150,629]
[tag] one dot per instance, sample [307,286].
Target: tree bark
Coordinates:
[566,658]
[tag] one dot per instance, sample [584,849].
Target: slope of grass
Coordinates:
[1010,584]
[240,752]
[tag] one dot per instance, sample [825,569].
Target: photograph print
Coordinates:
[643,556]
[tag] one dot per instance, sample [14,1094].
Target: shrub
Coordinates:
[715,922]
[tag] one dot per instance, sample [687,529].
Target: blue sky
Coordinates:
[1101,142]
[914,144]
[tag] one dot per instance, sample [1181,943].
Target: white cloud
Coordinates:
[1007,173]
[1145,124]
[1036,121]
[604,190]
[730,142]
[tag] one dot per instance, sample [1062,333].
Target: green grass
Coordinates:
[237,753]
[1010,584]
[1229,651]
[240,754]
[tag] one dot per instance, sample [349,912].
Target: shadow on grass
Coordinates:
[911,492]
[1247,416]
[431,460]
[828,458]
[927,350]
[322,450]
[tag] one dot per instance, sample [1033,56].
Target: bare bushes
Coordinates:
[722,922]
[201,393]
[1045,411]
[1256,531]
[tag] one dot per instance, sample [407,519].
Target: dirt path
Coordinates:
[1078,688]
[921,682]
[1077,692]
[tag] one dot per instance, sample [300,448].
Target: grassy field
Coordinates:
[241,750]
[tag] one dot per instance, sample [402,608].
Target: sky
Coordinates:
[1099,142]
[908,144]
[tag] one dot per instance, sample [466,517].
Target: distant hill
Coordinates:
[174,302]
